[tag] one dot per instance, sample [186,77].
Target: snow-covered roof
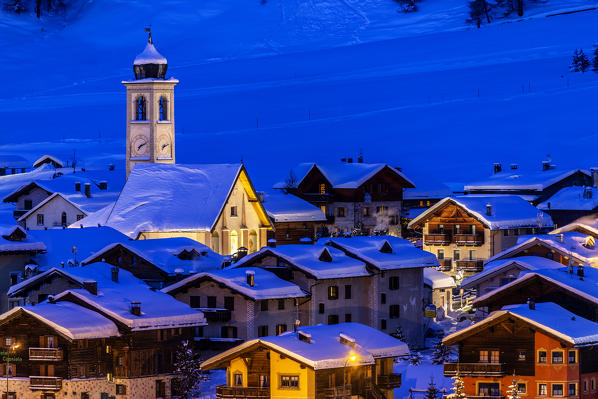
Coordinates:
[547,317]
[427,188]
[587,224]
[172,197]
[308,258]
[586,288]
[325,349]
[507,211]
[77,274]
[283,207]
[163,253]
[582,198]
[343,175]
[266,284]
[114,299]
[512,180]
[383,252]
[524,262]
[47,158]
[570,243]
[437,279]
[27,244]
[69,319]
[149,55]
[60,242]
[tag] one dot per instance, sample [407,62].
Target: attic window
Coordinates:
[386,248]
[325,256]
[347,340]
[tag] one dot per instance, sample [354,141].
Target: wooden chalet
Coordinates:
[338,362]
[542,348]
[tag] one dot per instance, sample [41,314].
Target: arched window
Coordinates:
[234,242]
[163,109]
[63,219]
[140,112]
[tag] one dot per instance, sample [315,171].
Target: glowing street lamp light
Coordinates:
[351,358]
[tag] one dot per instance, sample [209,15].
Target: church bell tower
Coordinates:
[150,110]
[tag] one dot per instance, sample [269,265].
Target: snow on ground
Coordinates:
[208,388]
[302,75]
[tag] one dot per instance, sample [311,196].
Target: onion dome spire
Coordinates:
[150,64]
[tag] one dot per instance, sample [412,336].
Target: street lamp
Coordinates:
[12,349]
[351,358]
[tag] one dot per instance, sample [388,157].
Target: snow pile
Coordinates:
[437,279]
[266,284]
[383,252]
[313,260]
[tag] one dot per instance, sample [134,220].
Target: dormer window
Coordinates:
[163,109]
[140,111]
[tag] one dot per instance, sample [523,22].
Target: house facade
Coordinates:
[542,348]
[341,361]
[354,196]
[464,231]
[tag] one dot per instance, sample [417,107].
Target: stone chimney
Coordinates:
[78,187]
[88,190]
[580,272]
[546,165]
[489,209]
[103,185]
[114,272]
[250,276]
[136,308]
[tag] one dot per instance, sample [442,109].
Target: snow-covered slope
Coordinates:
[324,78]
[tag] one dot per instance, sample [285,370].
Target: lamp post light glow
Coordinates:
[351,358]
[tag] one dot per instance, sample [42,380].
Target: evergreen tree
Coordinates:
[575,61]
[399,334]
[432,392]
[415,358]
[186,366]
[513,392]
[584,61]
[478,9]
[458,386]
[595,59]
[442,353]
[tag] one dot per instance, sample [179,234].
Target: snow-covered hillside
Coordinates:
[310,80]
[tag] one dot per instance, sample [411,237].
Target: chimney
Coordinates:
[349,160]
[78,187]
[545,165]
[136,308]
[343,160]
[51,299]
[88,190]
[531,303]
[360,159]
[580,272]
[497,167]
[250,275]
[570,267]
[114,273]
[514,166]
[587,192]
[296,326]
[91,287]
[103,185]
[560,238]
[241,253]
[489,209]
[272,243]
[111,167]
[594,172]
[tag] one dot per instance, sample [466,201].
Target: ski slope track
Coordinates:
[310,80]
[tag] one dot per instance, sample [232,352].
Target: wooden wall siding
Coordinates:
[450,215]
[543,291]
[311,185]
[293,232]
[123,258]
[258,363]
[358,377]
[545,252]
[508,337]
[588,360]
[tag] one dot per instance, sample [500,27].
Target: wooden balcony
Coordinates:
[468,239]
[226,392]
[474,369]
[45,383]
[340,392]
[45,354]
[484,397]
[470,265]
[437,239]
[446,264]
[389,381]
[216,314]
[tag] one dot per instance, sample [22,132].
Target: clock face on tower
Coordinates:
[164,146]
[139,146]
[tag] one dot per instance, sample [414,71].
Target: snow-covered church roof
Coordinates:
[149,55]
[284,207]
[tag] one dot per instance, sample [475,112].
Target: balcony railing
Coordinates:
[474,369]
[45,354]
[226,392]
[446,264]
[389,381]
[216,314]
[437,239]
[340,392]
[468,239]
[45,383]
[470,265]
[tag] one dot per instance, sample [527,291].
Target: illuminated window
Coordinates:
[333,292]
[281,328]
[238,379]
[494,356]
[322,188]
[483,356]
[557,357]
[542,391]
[541,356]
[289,381]
[521,355]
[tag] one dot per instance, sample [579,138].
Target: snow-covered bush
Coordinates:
[186,368]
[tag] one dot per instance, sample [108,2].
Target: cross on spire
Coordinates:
[149,32]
